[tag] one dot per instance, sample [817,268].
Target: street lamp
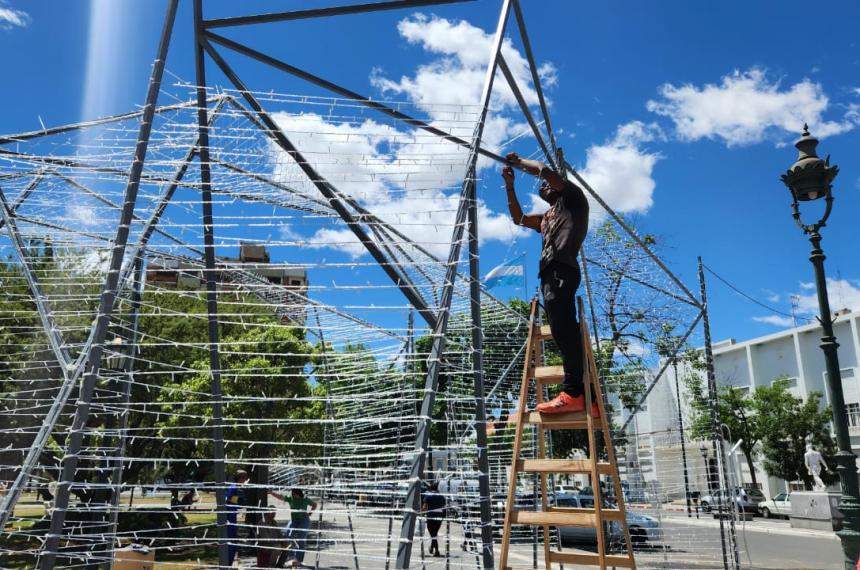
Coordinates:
[704,451]
[809,179]
[116,356]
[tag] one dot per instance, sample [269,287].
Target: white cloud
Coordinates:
[775,320]
[746,108]
[620,171]
[843,294]
[410,178]
[387,171]
[457,77]
[771,296]
[83,214]
[12,18]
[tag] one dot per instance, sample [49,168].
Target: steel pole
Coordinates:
[106,303]
[478,375]
[716,436]
[422,439]
[220,475]
[122,428]
[681,435]
[846,461]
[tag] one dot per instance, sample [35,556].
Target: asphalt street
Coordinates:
[689,543]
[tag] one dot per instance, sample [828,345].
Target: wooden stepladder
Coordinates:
[549,515]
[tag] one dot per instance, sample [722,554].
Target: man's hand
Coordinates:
[513,159]
[508,175]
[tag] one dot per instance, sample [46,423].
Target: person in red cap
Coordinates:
[563,228]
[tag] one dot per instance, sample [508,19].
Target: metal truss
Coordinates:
[372,232]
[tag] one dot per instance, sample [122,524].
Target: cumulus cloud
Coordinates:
[843,293]
[385,169]
[775,320]
[12,18]
[407,177]
[746,108]
[620,170]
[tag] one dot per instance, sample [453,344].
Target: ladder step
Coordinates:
[573,420]
[561,466]
[564,517]
[590,559]
[549,374]
[606,514]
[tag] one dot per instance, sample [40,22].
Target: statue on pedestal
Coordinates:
[814,463]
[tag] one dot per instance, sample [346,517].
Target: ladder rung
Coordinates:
[590,559]
[561,466]
[564,517]
[605,514]
[549,374]
[571,420]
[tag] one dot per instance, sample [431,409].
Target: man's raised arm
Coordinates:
[528,220]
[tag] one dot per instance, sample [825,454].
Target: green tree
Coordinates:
[789,423]
[771,421]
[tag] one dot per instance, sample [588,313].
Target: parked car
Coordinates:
[747,500]
[779,506]
[642,527]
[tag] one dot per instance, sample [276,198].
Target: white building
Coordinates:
[794,353]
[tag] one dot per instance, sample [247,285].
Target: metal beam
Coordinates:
[57,344]
[76,433]
[326,189]
[620,221]
[311,78]
[324,12]
[661,371]
[478,380]
[25,193]
[527,47]
[412,505]
[122,427]
[506,71]
[211,290]
[21,137]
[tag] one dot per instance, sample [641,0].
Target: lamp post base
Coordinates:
[850,533]
[849,505]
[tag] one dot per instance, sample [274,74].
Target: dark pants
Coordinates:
[559,283]
[433,526]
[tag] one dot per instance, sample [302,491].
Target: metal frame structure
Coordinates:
[124,268]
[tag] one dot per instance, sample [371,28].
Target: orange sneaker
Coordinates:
[563,403]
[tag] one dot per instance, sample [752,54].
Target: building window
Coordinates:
[791,381]
[796,486]
[853,412]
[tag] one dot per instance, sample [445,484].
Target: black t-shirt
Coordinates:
[435,505]
[564,227]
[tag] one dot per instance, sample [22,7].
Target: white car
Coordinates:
[779,506]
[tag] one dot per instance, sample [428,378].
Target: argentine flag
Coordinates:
[508,273]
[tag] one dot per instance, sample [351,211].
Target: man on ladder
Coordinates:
[563,228]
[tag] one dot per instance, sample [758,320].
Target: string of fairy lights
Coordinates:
[323,358]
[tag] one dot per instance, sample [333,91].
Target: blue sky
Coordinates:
[683,115]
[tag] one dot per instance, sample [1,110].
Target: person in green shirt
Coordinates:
[300,520]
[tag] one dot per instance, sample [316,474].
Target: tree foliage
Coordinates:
[774,425]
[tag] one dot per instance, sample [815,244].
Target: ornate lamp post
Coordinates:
[809,179]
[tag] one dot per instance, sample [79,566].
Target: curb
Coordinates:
[762,530]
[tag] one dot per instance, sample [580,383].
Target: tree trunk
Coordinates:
[748,455]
